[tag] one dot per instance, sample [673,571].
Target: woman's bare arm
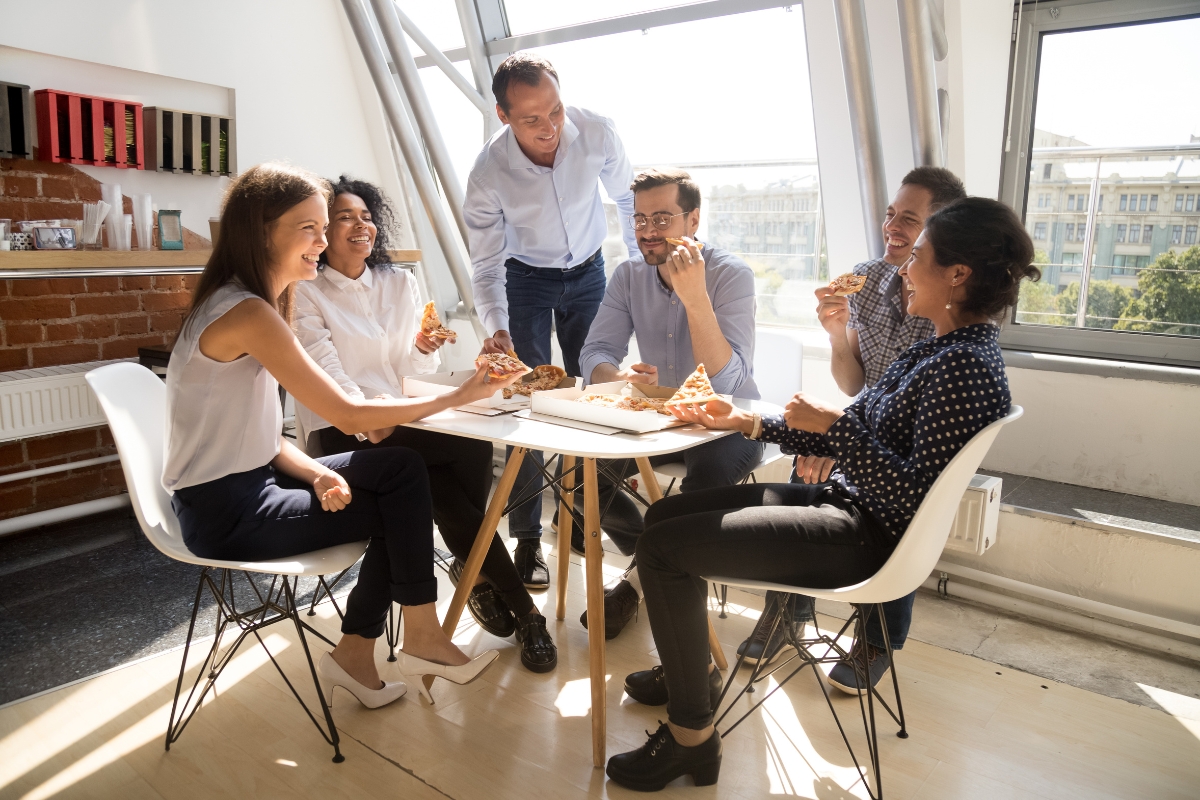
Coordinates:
[252,327]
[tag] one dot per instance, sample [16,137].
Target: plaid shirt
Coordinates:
[884,330]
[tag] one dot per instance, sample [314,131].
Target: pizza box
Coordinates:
[439,383]
[561,403]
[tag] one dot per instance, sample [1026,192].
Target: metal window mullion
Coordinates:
[481,70]
[439,60]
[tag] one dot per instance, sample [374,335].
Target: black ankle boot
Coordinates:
[661,760]
[649,687]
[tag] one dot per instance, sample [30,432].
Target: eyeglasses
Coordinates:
[661,221]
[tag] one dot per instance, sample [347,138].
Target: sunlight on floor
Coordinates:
[791,758]
[575,697]
[151,727]
[1186,710]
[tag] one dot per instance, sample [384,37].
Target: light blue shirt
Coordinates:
[548,217]
[636,303]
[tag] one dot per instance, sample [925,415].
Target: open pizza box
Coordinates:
[439,383]
[561,403]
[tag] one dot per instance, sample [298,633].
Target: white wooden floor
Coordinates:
[977,731]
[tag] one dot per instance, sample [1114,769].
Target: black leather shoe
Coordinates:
[757,642]
[620,606]
[874,661]
[538,652]
[531,564]
[649,687]
[661,760]
[486,606]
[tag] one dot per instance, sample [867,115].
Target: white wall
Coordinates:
[287,70]
[1140,437]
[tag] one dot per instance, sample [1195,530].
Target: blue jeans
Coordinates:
[538,297]
[897,613]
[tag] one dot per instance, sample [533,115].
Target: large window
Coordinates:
[1134,291]
[749,142]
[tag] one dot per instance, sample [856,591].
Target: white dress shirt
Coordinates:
[548,217]
[362,332]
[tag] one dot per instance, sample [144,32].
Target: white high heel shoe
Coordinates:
[331,674]
[414,668]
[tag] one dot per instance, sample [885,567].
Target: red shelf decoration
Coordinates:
[80,129]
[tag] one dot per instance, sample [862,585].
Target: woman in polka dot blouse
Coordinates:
[890,444]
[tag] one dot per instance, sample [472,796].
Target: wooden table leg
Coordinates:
[655,492]
[595,607]
[565,524]
[647,473]
[483,540]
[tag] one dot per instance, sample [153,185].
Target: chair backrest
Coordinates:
[922,544]
[134,400]
[778,360]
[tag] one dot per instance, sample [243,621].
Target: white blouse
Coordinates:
[361,332]
[222,416]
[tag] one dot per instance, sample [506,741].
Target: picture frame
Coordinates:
[53,238]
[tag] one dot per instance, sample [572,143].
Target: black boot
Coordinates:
[661,760]
[486,606]
[538,652]
[776,604]
[531,564]
[649,687]
[620,606]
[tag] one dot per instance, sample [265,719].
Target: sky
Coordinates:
[1122,87]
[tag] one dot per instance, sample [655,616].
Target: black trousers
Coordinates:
[721,462]
[786,533]
[264,514]
[460,478]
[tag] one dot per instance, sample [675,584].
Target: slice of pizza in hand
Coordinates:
[848,284]
[697,389]
[431,324]
[542,378]
[683,242]
[501,366]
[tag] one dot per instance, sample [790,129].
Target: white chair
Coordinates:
[134,401]
[907,568]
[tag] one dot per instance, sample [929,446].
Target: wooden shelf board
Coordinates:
[101,259]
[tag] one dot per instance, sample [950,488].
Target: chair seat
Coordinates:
[319,562]
[858,593]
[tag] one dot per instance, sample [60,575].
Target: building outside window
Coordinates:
[1176,234]
[1191,202]
[1179,202]
[1039,231]
[1070,232]
[1121,232]
[1190,236]
[1124,200]
[1154,202]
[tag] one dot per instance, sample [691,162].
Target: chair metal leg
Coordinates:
[392,631]
[327,588]
[278,603]
[806,655]
[722,594]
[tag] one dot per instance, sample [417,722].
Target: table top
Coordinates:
[508,429]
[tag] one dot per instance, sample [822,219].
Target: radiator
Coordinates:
[974,528]
[35,402]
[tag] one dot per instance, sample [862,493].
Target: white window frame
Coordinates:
[1036,20]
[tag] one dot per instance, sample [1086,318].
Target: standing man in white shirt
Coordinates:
[536,224]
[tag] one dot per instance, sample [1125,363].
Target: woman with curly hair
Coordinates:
[360,319]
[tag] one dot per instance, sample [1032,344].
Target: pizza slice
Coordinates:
[848,284]
[644,404]
[696,389]
[501,366]
[431,324]
[542,378]
[678,242]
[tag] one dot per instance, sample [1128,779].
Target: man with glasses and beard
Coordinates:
[687,304]
[535,224]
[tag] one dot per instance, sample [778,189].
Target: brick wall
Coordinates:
[67,321]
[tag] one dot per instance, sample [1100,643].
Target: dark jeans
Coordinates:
[897,613]
[721,462]
[780,532]
[460,478]
[536,298]
[264,514]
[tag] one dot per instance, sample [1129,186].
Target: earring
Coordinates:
[950,302]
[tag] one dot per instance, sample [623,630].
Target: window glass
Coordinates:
[526,16]
[1136,280]
[437,20]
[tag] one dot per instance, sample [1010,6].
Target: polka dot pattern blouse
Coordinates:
[896,438]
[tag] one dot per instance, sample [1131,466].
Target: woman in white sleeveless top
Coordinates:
[243,492]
